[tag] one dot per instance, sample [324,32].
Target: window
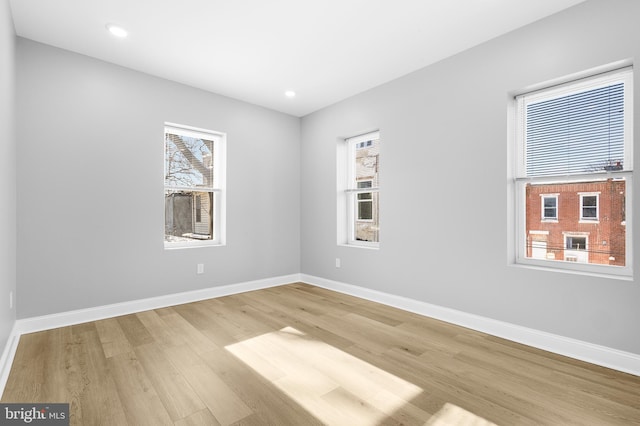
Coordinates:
[576,243]
[365,202]
[359,195]
[574,143]
[576,248]
[364,144]
[549,207]
[589,207]
[193,186]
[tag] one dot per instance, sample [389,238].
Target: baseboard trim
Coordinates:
[595,354]
[63,319]
[8,354]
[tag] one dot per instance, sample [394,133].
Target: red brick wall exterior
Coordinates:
[606,236]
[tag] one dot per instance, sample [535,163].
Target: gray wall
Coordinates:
[90,185]
[7,171]
[443,178]
[90,169]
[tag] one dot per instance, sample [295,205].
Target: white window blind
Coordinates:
[579,132]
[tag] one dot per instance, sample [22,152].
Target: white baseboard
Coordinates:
[595,354]
[63,319]
[8,354]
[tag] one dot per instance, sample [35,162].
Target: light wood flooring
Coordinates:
[302,355]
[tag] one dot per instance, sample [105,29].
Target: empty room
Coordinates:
[302,213]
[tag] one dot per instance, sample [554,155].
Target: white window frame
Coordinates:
[584,219]
[543,218]
[600,77]
[218,191]
[348,190]
[359,201]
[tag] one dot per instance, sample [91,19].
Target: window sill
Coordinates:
[362,246]
[590,270]
[192,245]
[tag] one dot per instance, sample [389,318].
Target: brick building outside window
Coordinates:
[577,221]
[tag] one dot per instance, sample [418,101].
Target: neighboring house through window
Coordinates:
[193,186]
[573,174]
[359,193]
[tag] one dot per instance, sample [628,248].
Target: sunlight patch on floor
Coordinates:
[452,415]
[334,386]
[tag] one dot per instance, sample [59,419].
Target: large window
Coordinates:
[193,186]
[573,170]
[359,195]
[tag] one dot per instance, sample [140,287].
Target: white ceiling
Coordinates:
[254,50]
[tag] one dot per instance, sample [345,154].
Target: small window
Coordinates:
[589,207]
[550,207]
[364,144]
[359,193]
[365,202]
[576,249]
[576,243]
[193,187]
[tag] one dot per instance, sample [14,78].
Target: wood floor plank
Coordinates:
[219,398]
[189,334]
[113,339]
[141,403]
[177,396]
[304,355]
[27,372]
[256,390]
[134,330]
[157,328]
[200,418]
[98,400]
[199,318]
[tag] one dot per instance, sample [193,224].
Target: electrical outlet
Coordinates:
[200,268]
[337,262]
[11,300]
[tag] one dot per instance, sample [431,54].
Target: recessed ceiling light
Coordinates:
[290,94]
[117,31]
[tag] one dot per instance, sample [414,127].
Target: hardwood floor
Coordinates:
[302,355]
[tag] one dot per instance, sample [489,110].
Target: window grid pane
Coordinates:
[188,162]
[550,208]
